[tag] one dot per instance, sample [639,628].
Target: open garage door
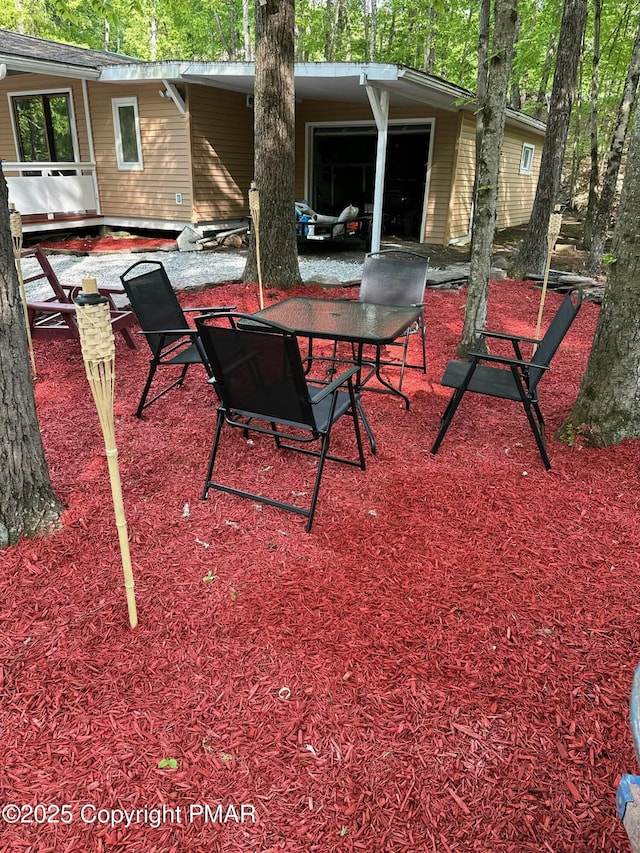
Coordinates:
[343,172]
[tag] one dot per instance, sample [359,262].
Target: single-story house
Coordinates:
[90,137]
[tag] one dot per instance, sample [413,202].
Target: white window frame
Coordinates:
[526,158]
[116,103]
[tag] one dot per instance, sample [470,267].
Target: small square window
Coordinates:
[126,126]
[526,159]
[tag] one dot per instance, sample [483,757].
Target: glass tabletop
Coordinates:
[341,320]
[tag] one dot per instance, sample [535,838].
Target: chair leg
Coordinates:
[182,376]
[537,432]
[212,455]
[447,417]
[422,329]
[153,366]
[129,339]
[356,425]
[403,365]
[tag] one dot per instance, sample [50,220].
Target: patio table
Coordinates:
[358,323]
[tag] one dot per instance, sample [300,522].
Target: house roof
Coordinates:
[336,81]
[20,54]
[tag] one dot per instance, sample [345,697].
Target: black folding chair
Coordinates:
[516,379]
[162,320]
[259,378]
[392,277]
[397,277]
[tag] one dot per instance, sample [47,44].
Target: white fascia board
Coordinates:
[54,69]
[150,71]
[374,71]
[175,71]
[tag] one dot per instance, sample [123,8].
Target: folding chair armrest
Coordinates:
[52,307]
[501,359]
[214,310]
[333,386]
[505,336]
[192,333]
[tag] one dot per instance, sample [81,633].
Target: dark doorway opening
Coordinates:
[344,167]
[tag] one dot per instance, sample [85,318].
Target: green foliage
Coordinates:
[168,764]
[577,435]
[439,36]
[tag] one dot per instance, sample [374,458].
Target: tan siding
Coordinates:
[516,192]
[39,83]
[462,189]
[149,193]
[442,158]
[222,150]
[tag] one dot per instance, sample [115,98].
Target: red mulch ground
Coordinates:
[443,664]
[109,244]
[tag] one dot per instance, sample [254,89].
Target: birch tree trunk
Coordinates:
[533,252]
[607,409]
[610,180]
[274,130]
[246,31]
[488,164]
[28,505]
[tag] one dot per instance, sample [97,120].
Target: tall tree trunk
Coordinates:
[533,252]
[486,193]
[246,31]
[274,146]
[515,97]
[28,505]
[370,10]
[610,180]
[594,172]
[541,108]
[607,409]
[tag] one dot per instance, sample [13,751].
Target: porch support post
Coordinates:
[92,153]
[379,101]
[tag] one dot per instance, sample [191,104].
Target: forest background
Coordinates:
[438,37]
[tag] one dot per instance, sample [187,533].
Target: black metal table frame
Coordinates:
[378,325]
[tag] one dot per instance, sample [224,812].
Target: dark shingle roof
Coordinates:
[29,47]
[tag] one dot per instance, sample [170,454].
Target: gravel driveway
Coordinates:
[185,269]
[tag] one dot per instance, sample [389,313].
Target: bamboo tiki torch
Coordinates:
[15,221]
[553,232]
[254,209]
[98,352]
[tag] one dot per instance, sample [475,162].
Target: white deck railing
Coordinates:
[45,191]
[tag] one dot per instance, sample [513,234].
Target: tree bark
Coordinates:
[532,256]
[488,164]
[274,129]
[610,180]
[541,101]
[607,409]
[28,505]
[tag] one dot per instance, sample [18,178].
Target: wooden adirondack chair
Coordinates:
[55,316]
